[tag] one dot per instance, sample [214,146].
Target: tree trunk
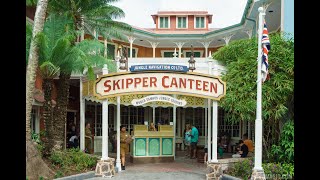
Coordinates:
[35,166]
[60,111]
[33,62]
[47,115]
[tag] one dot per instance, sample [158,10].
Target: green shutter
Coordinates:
[202,22]
[197,22]
[179,22]
[161,22]
[184,22]
[166,22]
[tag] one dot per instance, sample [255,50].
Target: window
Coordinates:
[200,22]
[164,114]
[182,22]
[133,51]
[196,54]
[164,22]
[233,129]
[168,54]
[110,51]
[34,120]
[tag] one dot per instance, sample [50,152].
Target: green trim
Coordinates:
[246,9]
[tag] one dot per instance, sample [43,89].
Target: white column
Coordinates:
[154,45]
[174,127]
[209,116]
[105,139]
[258,128]
[249,32]
[214,130]
[131,39]
[179,121]
[118,161]
[183,121]
[154,114]
[205,120]
[82,117]
[179,44]
[227,38]
[206,46]
[105,48]
[209,130]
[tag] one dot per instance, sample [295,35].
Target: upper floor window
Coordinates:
[164,22]
[200,22]
[181,22]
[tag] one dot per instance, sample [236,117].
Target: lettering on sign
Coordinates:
[163,98]
[192,84]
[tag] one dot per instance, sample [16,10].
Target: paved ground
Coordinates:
[182,169]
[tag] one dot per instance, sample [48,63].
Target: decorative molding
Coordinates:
[249,32]
[131,39]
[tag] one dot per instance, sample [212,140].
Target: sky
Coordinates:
[138,12]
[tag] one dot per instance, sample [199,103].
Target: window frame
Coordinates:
[204,22]
[177,22]
[159,24]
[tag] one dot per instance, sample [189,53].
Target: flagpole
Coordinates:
[258,124]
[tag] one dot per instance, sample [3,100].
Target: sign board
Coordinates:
[164,98]
[159,67]
[192,84]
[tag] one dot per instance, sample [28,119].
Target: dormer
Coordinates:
[182,20]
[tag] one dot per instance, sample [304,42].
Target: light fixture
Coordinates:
[124,60]
[192,61]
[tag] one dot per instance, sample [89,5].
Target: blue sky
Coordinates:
[225,12]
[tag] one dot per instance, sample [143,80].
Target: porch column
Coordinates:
[131,39]
[82,117]
[154,45]
[179,44]
[105,139]
[214,131]
[206,45]
[179,121]
[227,38]
[209,130]
[174,115]
[209,115]
[154,114]
[205,120]
[183,121]
[105,48]
[118,161]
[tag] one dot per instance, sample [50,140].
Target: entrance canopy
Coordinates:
[190,84]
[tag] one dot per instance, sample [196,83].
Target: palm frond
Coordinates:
[48,70]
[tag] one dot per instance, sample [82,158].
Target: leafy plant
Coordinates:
[72,160]
[242,168]
[278,171]
[240,59]
[284,151]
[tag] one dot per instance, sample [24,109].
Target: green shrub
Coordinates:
[284,151]
[242,168]
[72,160]
[278,170]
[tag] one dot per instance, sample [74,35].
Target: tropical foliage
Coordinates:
[277,92]
[284,151]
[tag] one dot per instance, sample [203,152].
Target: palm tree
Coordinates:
[33,61]
[90,16]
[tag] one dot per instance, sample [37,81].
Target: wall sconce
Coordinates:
[192,61]
[124,60]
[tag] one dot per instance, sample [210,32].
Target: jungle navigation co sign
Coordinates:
[192,84]
[163,98]
[159,67]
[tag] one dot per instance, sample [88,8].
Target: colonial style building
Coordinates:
[174,36]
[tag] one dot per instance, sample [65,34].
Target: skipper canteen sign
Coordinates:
[192,84]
